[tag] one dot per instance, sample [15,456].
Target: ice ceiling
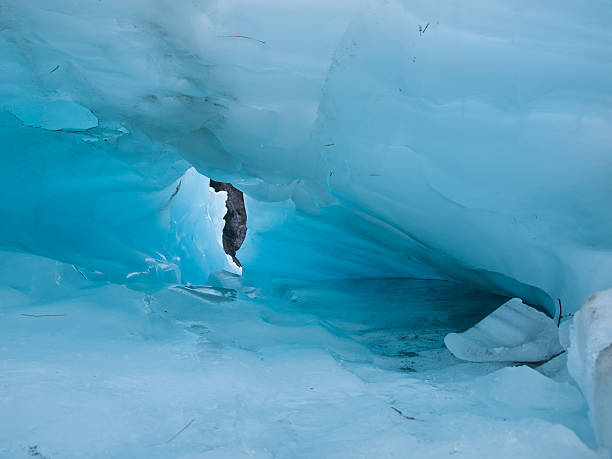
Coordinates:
[469,141]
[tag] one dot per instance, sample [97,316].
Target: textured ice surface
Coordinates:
[93,369]
[284,243]
[514,332]
[463,135]
[590,361]
[109,201]
[467,141]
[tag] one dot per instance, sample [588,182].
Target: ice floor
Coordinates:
[336,369]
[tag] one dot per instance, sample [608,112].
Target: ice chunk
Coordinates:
[590,361]
[514,332]
[54,115]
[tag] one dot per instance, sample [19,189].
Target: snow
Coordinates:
[95,369]
[515,332]
[590,361]
[526,388]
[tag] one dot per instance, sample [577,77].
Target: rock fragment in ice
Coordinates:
[590,361]
[514,332]
[54,115]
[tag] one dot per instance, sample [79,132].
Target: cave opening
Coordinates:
[235,228]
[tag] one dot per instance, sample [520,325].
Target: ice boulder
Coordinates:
[514,332]
[590,361]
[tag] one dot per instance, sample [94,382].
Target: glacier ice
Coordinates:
[590,361]
[465,146]
[394,155]
[97,200]
[515,332]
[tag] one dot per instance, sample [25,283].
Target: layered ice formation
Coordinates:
[515,332]
[394,157]
[460,135]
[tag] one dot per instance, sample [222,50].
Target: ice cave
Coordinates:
[305,229]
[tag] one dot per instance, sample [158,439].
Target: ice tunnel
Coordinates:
[305,229]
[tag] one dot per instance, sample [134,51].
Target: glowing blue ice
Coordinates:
[448,141]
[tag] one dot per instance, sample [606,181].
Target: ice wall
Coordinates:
[590,362]
[473,137]
[109,202]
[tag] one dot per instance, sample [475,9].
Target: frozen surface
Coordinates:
[590,361]
[373,139]
[514,332]
[460,135]
[93,369]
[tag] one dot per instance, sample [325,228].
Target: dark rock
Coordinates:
[235,227]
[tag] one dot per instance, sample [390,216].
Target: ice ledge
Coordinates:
[54,115]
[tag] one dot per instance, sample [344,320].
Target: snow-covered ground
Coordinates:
[321,369]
